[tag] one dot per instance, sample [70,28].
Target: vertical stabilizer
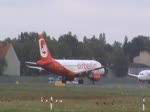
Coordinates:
[44,52]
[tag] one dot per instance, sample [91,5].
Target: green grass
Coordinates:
[26,98]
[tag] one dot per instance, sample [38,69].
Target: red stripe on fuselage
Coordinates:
[57,68]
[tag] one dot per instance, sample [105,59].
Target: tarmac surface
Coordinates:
[105,82]
[114,85]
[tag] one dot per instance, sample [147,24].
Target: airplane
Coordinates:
[68,69]
[143,76]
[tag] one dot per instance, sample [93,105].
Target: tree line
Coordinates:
[117,56]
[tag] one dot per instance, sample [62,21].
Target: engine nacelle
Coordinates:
[94,76]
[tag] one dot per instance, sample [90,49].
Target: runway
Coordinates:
[126,82]
[104,82]
[113,85]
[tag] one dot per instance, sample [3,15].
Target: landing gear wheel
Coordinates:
[64,80]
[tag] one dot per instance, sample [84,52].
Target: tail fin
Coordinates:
[44,52]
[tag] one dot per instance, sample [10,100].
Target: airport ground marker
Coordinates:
[51,103]
[143,104]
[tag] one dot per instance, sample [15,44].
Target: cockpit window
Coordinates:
[141,74]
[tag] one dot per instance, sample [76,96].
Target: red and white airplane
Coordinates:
[68,69]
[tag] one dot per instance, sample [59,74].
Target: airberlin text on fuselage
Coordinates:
[86,65]
[43,48]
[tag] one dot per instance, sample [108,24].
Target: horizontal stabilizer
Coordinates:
[35,67]
[28,62]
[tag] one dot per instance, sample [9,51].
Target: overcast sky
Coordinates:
[116,18]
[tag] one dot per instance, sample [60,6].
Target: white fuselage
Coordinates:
[144,75]
[80,65]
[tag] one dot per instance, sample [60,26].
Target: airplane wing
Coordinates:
[134,75]
[85,72]
[34,67]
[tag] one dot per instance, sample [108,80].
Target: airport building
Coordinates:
[8,53]
[143,58]
[141,62]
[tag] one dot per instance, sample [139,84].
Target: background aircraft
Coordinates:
[142,76]
[68,69]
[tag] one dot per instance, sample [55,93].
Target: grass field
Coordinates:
[26,98]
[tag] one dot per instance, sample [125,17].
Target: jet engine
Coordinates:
[94,76]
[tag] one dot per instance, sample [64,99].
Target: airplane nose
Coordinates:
[102,71]
[140,77]
[105,70]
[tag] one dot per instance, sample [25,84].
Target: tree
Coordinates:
[95,48]
[108,54]
[138,44]
[120,61]
[68,43]
[125,45]
[120,67]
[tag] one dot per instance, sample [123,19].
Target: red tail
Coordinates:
[44,52]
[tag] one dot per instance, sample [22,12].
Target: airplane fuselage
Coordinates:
[71,67]
[80,65]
